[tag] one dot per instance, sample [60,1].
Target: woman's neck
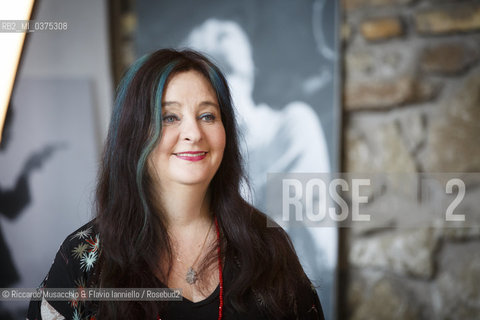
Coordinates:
[186,207]
[191,230]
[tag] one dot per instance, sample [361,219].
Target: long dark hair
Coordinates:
[133,234]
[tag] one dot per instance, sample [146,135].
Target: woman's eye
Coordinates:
[169,118]
[209,117]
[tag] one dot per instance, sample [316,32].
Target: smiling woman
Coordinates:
[193,137]
[170,212]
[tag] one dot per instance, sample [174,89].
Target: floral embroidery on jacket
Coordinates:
[78,254]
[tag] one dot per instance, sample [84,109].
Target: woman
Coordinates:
[170,212]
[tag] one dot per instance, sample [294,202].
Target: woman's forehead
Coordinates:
[189,85]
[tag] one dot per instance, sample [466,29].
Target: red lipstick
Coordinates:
[191,155]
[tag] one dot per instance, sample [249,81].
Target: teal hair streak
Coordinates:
[218,85]
[157,127]
[121,92]
[117,108]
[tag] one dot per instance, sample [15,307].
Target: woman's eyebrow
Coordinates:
[177,104]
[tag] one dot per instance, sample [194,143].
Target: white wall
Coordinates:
[81,51]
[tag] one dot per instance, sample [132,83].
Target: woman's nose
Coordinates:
[191,130]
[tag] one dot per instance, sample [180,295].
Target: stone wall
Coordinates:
[411,105]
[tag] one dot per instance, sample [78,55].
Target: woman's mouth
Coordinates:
[191,155]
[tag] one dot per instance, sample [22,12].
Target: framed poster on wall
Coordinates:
[280,59]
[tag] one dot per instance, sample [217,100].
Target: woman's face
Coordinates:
[193,137]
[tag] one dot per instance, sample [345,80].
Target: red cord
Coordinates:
[220,275]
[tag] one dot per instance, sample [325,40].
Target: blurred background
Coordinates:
[363,86]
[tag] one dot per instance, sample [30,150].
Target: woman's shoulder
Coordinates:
[82,246]
[80,242]
[82,232]
[284,267]
[72,268]
[78,252]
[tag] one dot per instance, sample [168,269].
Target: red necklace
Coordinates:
[220,276]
